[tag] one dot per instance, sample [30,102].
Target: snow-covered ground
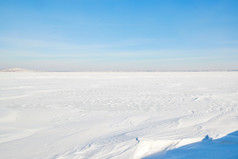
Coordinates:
[118,115]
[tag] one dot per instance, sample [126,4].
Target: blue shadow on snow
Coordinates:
[222,148]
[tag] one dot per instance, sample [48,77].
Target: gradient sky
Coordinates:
[119,35]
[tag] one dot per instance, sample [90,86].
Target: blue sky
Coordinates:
[119,35]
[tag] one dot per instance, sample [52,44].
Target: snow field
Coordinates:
[114,114]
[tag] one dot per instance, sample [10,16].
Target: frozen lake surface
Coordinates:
[118,115]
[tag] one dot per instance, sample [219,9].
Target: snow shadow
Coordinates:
[222,148]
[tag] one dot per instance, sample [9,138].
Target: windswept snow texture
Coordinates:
[118,115]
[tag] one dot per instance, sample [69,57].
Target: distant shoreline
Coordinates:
[26,70]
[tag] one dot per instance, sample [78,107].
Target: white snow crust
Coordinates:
[118,115]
